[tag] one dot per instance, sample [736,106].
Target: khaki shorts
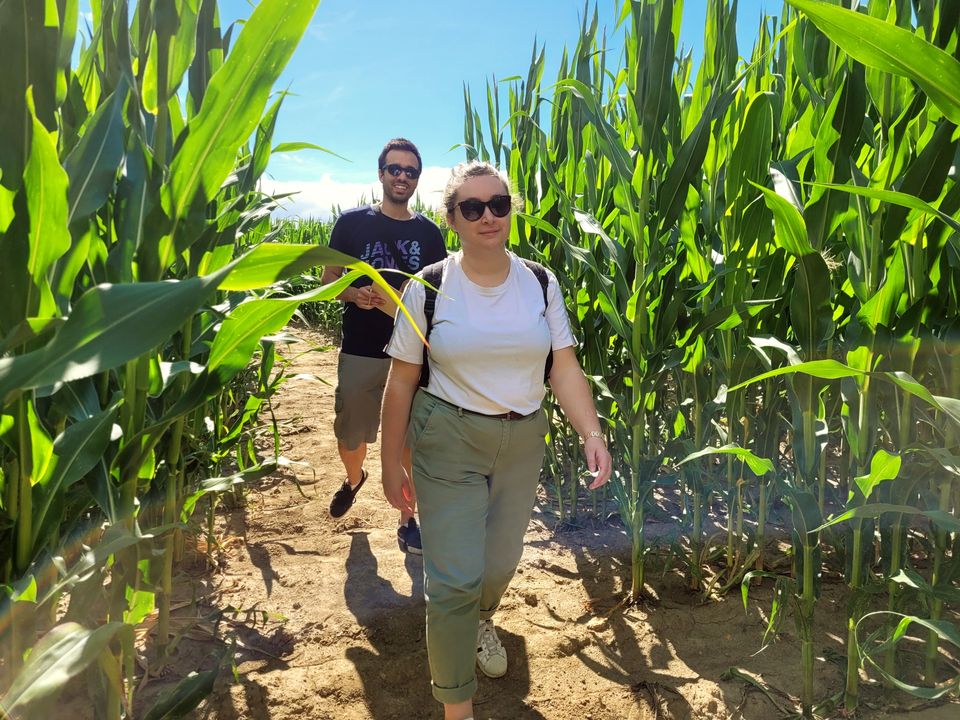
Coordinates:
[357,400]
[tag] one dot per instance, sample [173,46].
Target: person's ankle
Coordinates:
[458,711]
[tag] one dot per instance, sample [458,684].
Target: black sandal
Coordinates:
[344,498]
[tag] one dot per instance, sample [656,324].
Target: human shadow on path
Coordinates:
[395,673]
[260,558]
[504,697]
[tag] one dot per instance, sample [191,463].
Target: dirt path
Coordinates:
[334,616]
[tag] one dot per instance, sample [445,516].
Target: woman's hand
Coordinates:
[397,399]
[598,461]
[573,393]
[398,489]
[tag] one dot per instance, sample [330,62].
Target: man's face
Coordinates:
[401,188]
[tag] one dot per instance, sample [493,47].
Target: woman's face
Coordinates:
[488,231]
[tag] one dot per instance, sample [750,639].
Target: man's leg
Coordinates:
[458,711]
[360,382]
[353,461]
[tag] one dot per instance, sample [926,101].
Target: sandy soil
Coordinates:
[329,614]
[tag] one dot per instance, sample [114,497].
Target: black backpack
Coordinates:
[433,274]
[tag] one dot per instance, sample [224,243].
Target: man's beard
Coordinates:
[390,195]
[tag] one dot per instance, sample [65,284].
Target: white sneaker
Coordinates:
[491,657]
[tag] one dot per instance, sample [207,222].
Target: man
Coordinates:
[387,236]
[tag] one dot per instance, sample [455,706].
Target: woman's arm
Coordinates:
[398,395]
[573,393]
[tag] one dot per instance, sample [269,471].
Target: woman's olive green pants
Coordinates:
[476,481]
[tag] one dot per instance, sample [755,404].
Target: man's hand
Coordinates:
[365,298]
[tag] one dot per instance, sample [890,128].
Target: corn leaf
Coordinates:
[895,198]
[46,189]
[810,308]
[75,452]
[881,308]
[911,578]
[63,653]
[109,325]
[269,262]
[240,334]
[234,101]
[758,465]
[823,369]
[297,146]
[874,510]
[940,628]
[609,141]
[92,164]
[884,46]
[184,697]
[883,466]
[791,232]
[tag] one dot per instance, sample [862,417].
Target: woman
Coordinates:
[477,429]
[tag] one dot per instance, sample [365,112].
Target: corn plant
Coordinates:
[759,256]
[126,186]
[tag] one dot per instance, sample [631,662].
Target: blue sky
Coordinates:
[369,70]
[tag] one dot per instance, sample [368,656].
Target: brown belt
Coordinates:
[509,415]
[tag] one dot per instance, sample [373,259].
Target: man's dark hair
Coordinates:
[399,144]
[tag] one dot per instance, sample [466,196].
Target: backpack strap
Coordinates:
[541,272]
[433,274]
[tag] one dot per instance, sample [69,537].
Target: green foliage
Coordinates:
[133,358]
[760,261]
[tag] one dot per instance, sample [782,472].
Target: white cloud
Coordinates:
[323,30]
[317,198]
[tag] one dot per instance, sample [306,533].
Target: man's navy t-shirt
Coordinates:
[409,245]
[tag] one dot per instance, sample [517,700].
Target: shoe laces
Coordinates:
[487,639]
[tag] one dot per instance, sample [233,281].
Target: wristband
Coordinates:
[594,434]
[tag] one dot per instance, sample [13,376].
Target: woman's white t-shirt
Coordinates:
[488,345]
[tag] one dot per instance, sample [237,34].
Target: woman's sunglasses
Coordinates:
[412,173]
[472,210]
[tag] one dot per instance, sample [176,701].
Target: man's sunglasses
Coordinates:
[472,210]
[393,169]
